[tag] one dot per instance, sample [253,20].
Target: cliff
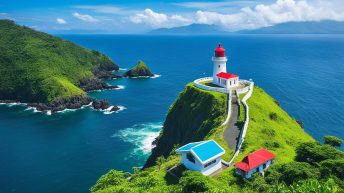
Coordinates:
[301,163]
[36,67]
[140,70]
[190,118]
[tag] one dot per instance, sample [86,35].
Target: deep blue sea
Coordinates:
[69,151]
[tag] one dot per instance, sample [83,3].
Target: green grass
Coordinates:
[38,67]
[209,83]
[281,136]
[262,132]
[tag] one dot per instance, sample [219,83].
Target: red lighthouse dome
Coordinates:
[220,51]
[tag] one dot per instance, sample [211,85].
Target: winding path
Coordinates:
[232,132]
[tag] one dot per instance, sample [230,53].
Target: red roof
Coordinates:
[220,51]
[226,75]
[255,159]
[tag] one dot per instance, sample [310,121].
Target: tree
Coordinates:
[296,171]
[333,141]
[312,152]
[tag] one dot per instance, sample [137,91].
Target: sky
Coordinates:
[139,16]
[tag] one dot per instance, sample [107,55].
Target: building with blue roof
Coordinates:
[203,156]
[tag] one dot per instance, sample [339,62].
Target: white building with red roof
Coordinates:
[220,75]
[257,161]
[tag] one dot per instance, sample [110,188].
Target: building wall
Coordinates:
[212,168]
[197,166]
[218,66]
[260,168]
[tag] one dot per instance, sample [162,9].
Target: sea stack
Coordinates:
[140,70]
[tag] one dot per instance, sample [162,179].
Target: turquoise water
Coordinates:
[67,152]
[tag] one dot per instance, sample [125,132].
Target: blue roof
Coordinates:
[187,147]
[204,150]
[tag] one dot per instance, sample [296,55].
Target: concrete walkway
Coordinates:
[232,132]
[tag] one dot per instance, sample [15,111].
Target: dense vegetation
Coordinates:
[301,165]
[141,69]
[37,67]
[192,116]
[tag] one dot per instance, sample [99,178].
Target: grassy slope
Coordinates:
[262,132]
[37,67]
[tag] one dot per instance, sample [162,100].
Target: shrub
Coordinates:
[195,182]
[295,171]
[333,141]
[112,178]
[335,167]
[312,152]
[273,116]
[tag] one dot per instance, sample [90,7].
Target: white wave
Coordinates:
[141,136]
[123,69]
[48,112]
[120,87]
[155,76]
[108,110]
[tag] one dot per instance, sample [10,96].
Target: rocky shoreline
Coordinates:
[77,102]
[73,103]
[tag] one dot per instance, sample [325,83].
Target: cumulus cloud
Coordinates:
[61,21]
[156,20]
[281,11]
[87,18]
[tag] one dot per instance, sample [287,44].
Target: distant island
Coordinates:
[49,73]
[140,70]
[316,27]
[193,29]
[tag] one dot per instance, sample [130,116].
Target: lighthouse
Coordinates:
[220,75]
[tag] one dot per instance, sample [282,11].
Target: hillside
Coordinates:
[196,115]
[36,67]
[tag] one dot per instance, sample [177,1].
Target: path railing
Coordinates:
[244,129]
[210,88]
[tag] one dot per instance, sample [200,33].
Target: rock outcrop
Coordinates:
[140,70]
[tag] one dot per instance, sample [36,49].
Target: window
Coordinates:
[210,163]
[234,81]
[190,157]
[225,82]
[230,83]
[219,66]
[218,80]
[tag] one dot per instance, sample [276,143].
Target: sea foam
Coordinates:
[141,136]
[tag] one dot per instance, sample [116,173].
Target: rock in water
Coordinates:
[140,70]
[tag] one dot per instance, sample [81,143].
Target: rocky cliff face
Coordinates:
[140,70]
[190,118]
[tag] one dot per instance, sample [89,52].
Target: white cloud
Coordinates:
[110,9]
[87,18]
[61,21]
[280,11]
[219,4]
[157,20]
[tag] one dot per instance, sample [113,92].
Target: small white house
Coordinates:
[257,161]
[203,156]
[227,80]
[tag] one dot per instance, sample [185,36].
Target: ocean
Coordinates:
[69,151]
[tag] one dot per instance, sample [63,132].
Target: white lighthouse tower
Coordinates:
[220,62]
[220,75]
